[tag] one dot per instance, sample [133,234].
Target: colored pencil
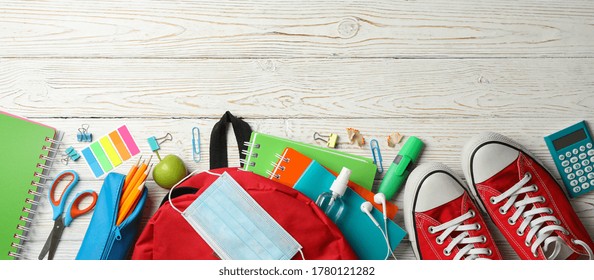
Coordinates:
[132,198]
[135,180]
[131,172]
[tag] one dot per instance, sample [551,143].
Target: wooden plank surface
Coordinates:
[298,88]
[231,28]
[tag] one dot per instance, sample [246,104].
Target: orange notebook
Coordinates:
[292,164]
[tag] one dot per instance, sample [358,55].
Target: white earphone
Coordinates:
[366,208]
[380,198]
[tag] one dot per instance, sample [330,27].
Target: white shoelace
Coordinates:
[544,233]
[468,252]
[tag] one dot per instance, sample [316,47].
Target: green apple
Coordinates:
[169,171]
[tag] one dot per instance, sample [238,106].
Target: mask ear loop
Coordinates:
[180,181]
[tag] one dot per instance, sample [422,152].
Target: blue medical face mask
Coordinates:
[236,227]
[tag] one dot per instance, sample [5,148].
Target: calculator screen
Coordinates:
[569,139]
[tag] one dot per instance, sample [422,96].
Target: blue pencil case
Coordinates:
[103,239]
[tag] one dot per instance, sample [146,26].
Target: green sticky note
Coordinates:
[101,157]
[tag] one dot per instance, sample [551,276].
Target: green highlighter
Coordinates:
[401,167]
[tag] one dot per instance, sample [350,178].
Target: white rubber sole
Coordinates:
[410,192]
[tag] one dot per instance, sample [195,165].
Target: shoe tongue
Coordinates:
[448,211]
[506,178]
[564,250]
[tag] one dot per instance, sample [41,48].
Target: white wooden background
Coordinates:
[442,70]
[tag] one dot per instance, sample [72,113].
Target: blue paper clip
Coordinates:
[155,143]
[196,144]
[377,155]
[72,154]
[83,134]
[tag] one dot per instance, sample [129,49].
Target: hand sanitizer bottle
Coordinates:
[331,202]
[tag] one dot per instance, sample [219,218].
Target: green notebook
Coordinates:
[263,150]
[23,165]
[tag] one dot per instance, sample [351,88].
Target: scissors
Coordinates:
[72,211]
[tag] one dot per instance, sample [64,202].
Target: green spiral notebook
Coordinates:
[26,153]
[263,150]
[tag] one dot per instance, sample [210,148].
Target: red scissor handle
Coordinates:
[58,205]
[74,210]
[59,179]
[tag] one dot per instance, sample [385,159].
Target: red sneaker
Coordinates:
[442,221]
[523,199]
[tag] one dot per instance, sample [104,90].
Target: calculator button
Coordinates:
[592,183]
[575,151]
[570,176]
[573,183]
[585,162]
[565,163]
[576,166]
[568,170]
[592,159]
[561,157]
[583,179]
[588,169]
[574,160]
[589,145]
[576,189]
[591,152]
[568,154]
[582,148]
[582,156]
[585,186]
[579,172]
[591,176]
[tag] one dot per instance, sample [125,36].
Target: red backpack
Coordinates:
[169,236]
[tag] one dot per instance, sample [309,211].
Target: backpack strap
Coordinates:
[218,139]
[179,192]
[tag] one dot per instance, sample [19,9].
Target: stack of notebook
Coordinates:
[263,152]
[292,164]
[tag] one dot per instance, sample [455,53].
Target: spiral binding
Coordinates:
[31,201]
[245,152]
[243,161]
[46,158]
[32,192]
[35,190]
[23,228]
[272,175]
[42,176]
[248,144]
[276,166]
[253,154]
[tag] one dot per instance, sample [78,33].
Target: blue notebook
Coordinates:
[364,237]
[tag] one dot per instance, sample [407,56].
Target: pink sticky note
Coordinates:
[127,137]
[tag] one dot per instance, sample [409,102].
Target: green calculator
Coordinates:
[573,153]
